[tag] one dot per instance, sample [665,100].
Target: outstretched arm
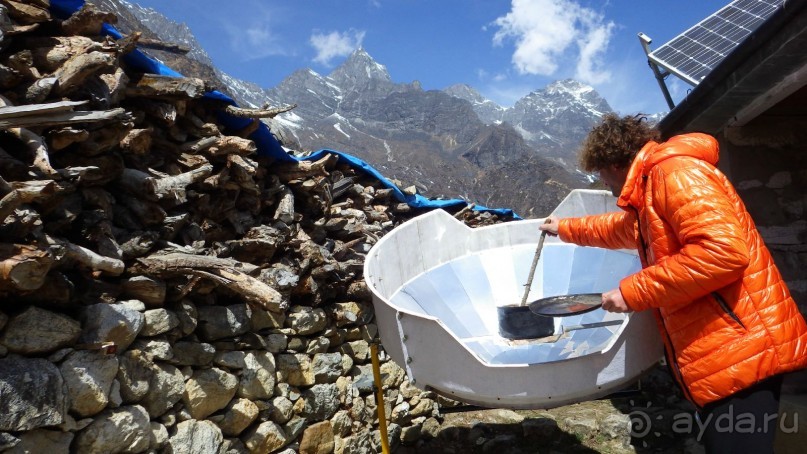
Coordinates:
[616,230]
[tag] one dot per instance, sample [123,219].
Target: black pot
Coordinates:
[518,322]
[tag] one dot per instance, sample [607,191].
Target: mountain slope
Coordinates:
[450,143]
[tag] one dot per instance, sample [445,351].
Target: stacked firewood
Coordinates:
[118,186]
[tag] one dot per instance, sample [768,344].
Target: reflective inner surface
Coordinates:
[464,295]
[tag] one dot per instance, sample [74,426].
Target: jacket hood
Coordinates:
[694,145]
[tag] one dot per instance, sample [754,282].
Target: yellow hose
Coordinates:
[379,398]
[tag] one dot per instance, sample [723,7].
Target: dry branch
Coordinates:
[155,44]
[157,86]
[64,118]
[25,192]
[86,257]
[304,169]
[229,273]
[257,113]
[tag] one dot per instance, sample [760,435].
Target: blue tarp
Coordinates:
[265,142]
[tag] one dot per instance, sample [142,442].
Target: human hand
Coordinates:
[550,226]
[612,301]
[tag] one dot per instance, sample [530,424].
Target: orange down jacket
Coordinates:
[724,312]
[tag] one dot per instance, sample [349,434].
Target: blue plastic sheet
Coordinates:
[265,142]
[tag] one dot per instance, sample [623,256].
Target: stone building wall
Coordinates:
[767,162]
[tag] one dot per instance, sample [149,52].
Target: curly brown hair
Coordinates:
[615,141]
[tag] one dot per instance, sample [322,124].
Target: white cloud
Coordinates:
[253,35]
[255,42]
[551,34]
[335,44]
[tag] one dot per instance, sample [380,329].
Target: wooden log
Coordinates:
[36,145]
[191,160]
[65,118]
[170,187]
[59,139]
[50,53]
[20,225]
[25,192]
[38,91]
[258,245]
[173,224]
[23,267]
[243,170]
[146,289]
[96,91]
[226,272]
[9,27]
[138,244]
[302,169]
[8,111]
[23,63]
[221,146]
[199,127]
[257,113]
[128,43]
[91,170]
[165,113]
[197,146]
[115,85]
[26,13]
[157,86]
[150,43]
[79,67]
[85,257]
[175,263]
[137,141]
[253,290]
[87,21]
[105,138]
[285,207]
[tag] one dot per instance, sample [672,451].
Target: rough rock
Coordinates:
[37,331]
[31,394]
[125,429]
[197,437]
[88,376]
[208,391]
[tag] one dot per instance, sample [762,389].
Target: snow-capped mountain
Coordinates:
[449,143]
[488,111]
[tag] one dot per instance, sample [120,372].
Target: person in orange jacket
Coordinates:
[728,322]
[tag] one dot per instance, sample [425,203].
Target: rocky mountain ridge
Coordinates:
[448,143]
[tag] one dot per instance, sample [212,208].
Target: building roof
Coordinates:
[770,65]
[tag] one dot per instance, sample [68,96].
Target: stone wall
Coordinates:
[122,377]
[767,162]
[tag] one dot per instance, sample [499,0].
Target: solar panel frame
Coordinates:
[693,54]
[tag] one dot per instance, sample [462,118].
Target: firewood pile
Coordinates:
[122,189]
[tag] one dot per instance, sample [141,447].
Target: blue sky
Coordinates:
[504,49]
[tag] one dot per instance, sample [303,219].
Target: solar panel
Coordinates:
[696,52]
